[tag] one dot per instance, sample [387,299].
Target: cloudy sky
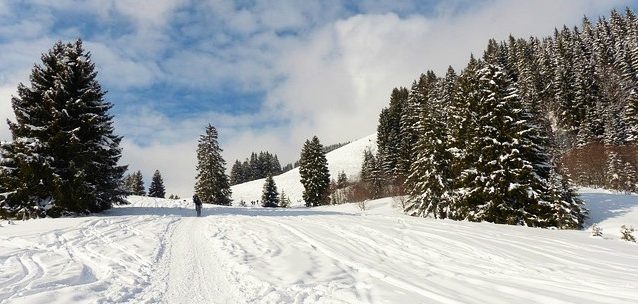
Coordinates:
[267,73]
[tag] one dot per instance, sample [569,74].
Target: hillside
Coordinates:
[347,159]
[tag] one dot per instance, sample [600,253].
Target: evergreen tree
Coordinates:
[127,184]
[429,183]
[269,195]
[64,151]
[389,137]
[509,166]
[137,183]
[157,186]
[284,201]
[371,175]
[212,185]
[315,176]
[567,208]
[342,180]
[237,174]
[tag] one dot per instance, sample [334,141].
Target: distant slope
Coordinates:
[347,158]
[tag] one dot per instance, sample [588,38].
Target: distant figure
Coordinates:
[198,205]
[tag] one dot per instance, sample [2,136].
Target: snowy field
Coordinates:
[156,251]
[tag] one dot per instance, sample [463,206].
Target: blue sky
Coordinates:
[268,74]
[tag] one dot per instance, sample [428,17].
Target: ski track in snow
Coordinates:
[156,251]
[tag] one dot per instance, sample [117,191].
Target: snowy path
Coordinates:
[158,252]
[195,274]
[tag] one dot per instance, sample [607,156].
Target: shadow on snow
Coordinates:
[604,206]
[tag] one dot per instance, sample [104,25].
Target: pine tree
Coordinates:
[371,175]
[212,185]
[284,201]
[64,152]
[342,180]
[567,208]
[138,184]
[236,174]
[509,166]
[429,183]
[389,137]
[315,176]
[127,184]
[269,195]
[157,186]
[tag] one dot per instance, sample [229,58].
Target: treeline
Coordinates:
[315,178]
[583,86]
[258,166]
[579,86]
[262,165]
[133,184]
[325,149]
[492,144]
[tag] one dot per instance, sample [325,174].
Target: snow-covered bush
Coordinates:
[626,233]
[362,205]
[596,230]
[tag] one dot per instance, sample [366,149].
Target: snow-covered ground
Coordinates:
[347,159]
[155,250]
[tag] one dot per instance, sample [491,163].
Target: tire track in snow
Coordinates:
[396,282]
[276,270]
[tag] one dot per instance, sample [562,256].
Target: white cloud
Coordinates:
[6,112]
[175,161]
[119,71]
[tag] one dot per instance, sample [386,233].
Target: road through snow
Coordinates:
[156,251]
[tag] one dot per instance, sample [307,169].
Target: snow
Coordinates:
[347,159]
[156,251]
[609,210]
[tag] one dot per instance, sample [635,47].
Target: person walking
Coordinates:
[198,205]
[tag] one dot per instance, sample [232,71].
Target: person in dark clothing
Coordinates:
[198,205]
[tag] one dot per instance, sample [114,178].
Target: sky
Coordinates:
[268,74]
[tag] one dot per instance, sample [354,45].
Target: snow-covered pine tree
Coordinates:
[315,177]
[284,201]
[269,195]
[156,189]
[389,137]
[429,180]
[371,175]
[567,208]
[411,114]
[138,184]
[342,180]
[509,168]
[127,184]
[212,185]
[64,150]
[461,122]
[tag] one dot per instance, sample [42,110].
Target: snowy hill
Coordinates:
[156,251]
[347,159]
